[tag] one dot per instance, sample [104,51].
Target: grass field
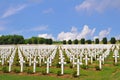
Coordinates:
[109,72]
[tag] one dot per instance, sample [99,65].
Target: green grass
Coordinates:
[19,77]
[109,72]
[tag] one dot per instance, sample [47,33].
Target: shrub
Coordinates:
[97,68]
[27,64]
[58,65]
[71,66]
[84,66]
[116,64]
[29,71]
[16,70]
[44,72]
[59,73]
[75,74]
[17,64]
[5,69]
[37,65]
[68,61]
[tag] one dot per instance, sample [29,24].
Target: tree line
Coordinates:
[96,41]
[18,39]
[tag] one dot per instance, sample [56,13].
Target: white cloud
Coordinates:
[74,34]
[117,37]
[66,36]
[46,36]
[74,29]
[97,5]
[13,10]
[47,11]
[86,32]
[103,33]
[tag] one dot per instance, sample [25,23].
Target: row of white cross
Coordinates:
[76,54]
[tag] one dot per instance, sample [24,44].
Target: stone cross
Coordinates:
[39,60]
[34,64]
[30,57]
[81,55]
[86,59]
[116,55]
[62,65]
[10,64]
[48,64]
[50,59]
[73,60]
[3,59]
[78,63]
[91,58]
[21,64]
[100,62]
[103,58]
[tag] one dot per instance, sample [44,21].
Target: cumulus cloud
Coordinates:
[66,36]
[74,29]
[74,34]
[47,11]
[117,37]
[103,33]
[97,5]
[47,36]
[13,10]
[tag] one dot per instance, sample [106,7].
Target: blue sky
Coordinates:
[61,19]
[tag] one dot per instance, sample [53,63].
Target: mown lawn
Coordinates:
[109,72]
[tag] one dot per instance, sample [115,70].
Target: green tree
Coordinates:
[11,39]
[104,40]
[41,40]
[69,42]
[64,41]
[75,41]
[96,41]
[82,41]
[89,41]
[34,40]
[48,41]
[113,40]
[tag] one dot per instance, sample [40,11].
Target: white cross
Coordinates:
[116,55]
[10,64]
[73,60]
[39,60]
[21,64]
[78,63]
[86,59]
[30,57]
[100,62]
[81,55]
[103,58]
[3,59]
[91,58]
[62,65]
[50,59]
[48,64]
[34,64]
